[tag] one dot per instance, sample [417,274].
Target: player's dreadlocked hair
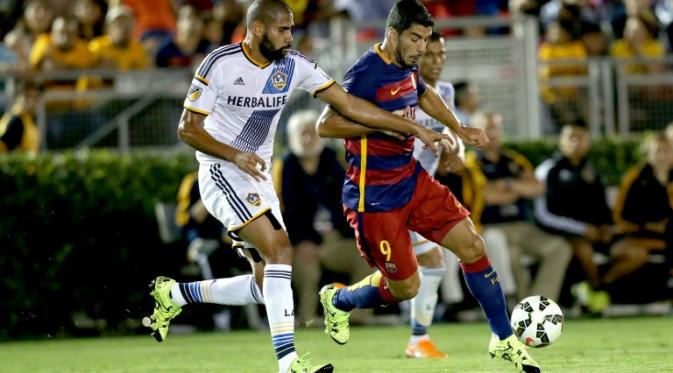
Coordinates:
[265,11]
[406,12]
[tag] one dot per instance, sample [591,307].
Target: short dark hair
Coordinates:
[461,89]
[435,36]
[577,123]
[265,11]
[406,12]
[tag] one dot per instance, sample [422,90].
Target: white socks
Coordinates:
[423,304]
[232,291]
[280,312]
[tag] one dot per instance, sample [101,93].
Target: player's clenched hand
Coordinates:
[430,138]
[473,136]
[251,164]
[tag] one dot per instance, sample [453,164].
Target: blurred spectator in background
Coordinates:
[594,39]
[183,49]
[155,20]
[202,232]
[36,20]
[643,208]
[574,11]
[669,132]
[640,40]
[62,49]
[89,15]
[561,55]
[621,11]
[575,204]
[118,49]
[230,13]
[305,45]
[213,33]
[510,182]
[18,132]
[364,11]
[467,101]
[308,181]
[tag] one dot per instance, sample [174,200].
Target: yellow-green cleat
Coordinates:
[595,301]
[512,350]
[302,365]
[336,320]
[165,309]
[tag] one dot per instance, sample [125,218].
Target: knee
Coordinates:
[639,255]
[473,250]
[406,290]
[282,253]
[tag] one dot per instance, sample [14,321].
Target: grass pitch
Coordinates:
[616,345]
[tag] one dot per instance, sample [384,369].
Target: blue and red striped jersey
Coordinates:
[382,171]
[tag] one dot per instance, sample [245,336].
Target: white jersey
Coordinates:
[243,100]
[428,159]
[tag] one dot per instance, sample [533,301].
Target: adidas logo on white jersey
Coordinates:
[239,81]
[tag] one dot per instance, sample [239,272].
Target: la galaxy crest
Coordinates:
[253,199]
[194,93]
[279,80]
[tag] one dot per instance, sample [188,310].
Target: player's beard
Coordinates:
[267,50]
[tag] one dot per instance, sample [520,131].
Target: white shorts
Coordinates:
[234,197]
[420,244]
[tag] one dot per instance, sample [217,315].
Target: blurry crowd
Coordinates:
[130,34]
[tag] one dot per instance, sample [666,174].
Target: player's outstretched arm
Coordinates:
[192,133]
[432,104]
[334,125]
[362,111]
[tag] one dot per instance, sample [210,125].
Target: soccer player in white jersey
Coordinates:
[428,254]
[230,118]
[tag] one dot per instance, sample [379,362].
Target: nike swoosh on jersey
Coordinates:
[393,92]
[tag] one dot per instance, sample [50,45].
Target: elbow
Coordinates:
[186,132]
[324,126]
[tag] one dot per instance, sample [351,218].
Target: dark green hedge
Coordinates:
[78,232]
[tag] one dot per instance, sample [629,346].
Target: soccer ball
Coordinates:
[537,321]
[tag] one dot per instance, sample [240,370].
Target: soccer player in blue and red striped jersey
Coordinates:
[387,192]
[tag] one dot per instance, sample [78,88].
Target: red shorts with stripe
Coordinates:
[383,237]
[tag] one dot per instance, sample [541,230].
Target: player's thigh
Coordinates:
[384,240]
[434,211]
